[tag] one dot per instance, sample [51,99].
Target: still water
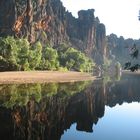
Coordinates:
[106,109]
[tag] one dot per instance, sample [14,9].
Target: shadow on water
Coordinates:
[45,111]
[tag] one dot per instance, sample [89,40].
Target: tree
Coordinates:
[49,59]
[19,54]
[35,56]
[74,60]
[8,53]
[134,52]
[23,54]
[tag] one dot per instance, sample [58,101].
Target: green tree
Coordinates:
[75,60]
[8,53]
[23,54]
[49,59]
[35,56]
[19,54]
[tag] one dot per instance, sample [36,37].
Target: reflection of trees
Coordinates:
[19,94]
[36,109]
[45,117]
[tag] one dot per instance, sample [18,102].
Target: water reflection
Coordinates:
[43,112]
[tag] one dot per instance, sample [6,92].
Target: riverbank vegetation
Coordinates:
[21,94]
[19,55]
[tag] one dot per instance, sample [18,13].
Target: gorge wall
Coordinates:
[49,22]
[120,49]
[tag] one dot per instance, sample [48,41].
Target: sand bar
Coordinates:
[42,77]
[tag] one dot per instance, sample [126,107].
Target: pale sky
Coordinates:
[119,16]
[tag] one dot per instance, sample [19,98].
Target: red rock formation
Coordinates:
[31,18]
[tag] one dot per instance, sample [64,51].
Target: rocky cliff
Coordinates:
[120,49]
[87,34]
[48,21]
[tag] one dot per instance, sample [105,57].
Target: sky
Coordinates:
[119,16]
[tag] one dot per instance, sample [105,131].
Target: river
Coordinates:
[104,109]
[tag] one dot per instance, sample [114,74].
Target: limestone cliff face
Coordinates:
[120,48]
[101,43]
[56,34]
[33,18]
[7,17]
[87,34]
[23,18]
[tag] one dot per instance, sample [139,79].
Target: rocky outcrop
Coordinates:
[120,49]
[48,21]
[56,33]
[87,34]
[7,17]
[101,43]
[23,18]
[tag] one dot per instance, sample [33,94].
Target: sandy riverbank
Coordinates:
[42,77]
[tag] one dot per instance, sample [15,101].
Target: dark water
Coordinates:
[107,109]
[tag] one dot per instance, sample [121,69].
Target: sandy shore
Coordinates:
[42,77]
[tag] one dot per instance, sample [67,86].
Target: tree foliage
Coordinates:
[19,54]
[74,59]
[133,64]
[49,59]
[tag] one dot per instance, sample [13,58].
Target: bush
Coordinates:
[74,60]
[18,54]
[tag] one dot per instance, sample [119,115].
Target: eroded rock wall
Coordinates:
[48,21]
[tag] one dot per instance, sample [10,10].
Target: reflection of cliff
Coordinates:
[127,90]
[47,118]
[86,108]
